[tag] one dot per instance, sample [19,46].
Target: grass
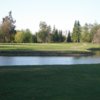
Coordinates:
[66,48]
[49,46]
[69,82]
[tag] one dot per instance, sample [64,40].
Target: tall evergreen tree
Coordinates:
[55,36]
[76,35]
[60,36]
[69,37]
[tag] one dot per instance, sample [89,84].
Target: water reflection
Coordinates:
[6,60]
[48,60]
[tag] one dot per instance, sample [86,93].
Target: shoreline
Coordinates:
[44,53]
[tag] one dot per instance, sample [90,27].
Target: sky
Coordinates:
[61,13]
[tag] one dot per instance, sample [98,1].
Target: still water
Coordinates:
[4,60]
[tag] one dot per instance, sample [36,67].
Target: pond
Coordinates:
[48,60]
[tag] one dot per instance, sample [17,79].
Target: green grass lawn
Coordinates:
[31,49]
[69,82]
[49,46]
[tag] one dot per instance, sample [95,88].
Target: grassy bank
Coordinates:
[47,49]
[70,82]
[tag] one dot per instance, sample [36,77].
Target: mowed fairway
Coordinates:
[69,82]
[47,49]
[49,46]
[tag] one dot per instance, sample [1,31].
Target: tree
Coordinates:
[96,37]
[86,35]
[23,36]
[1,36]
[43,34]
[69,37]
[62,38]
[76,35]
[94,30]
[43,26]
[7,28]
[28,36]
[34,38]
[89,31]
[55,36]
[19,37]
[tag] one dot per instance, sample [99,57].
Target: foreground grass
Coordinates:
[70,82]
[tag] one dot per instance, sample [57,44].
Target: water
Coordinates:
[4,60]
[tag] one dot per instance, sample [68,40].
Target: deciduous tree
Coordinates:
[23,36]
[7,28]
[43,34]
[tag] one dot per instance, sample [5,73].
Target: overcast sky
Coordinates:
[61,13]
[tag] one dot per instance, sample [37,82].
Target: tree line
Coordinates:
[87,33]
